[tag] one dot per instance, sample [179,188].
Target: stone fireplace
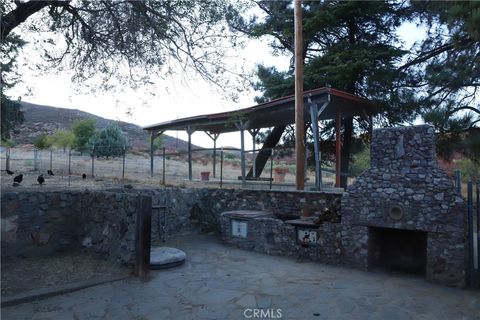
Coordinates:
[403,213]
[397,249]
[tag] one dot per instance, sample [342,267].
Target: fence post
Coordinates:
[123,163]
[221,168]
[93,162]
[458,182]
[51,157]
[143,236]
[35,156]
[164,165]
[7,160]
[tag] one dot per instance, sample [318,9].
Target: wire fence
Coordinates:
[220,167]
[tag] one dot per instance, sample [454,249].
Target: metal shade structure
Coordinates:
[319,104]
[273,113]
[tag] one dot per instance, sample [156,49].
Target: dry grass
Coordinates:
[110,172]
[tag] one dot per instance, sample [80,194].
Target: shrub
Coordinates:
[109,142]
[360,161]
[469,169]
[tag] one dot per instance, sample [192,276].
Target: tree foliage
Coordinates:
[347,45]
[354,46]
[11,115]
[63,139]
[109,142]
[110,38]
[83,130]
[43,141]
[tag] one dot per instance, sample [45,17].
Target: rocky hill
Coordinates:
[46,119]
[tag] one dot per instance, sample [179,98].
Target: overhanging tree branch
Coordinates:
[21,13]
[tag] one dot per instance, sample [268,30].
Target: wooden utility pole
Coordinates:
[299,111]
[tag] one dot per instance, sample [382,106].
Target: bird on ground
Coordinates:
[41,179]
[50,172]
[84,176]
[10,172]
[18,178]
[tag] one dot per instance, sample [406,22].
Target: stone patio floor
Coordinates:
[221,282]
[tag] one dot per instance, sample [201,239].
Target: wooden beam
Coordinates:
[143,236]
[299,110]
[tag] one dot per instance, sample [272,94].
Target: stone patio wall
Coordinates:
[43,223]
[38,224]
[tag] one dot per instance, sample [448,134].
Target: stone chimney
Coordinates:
[405,196]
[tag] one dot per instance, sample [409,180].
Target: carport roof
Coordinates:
[273,113]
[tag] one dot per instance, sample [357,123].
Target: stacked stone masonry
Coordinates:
[403,190]
[43,223]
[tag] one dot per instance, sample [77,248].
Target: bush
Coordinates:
[469,169]
[360,161]
[8,143]
[109,142]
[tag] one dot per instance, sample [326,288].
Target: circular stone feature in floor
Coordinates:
[166,257]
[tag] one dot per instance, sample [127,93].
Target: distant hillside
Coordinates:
[45,119]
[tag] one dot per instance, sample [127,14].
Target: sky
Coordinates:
[174,97]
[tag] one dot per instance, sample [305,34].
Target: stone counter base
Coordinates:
[276,237]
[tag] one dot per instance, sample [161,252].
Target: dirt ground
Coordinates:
[27,274]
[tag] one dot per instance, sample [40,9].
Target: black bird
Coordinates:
[10,172]
[84,176]
[18,178]
[50,172]
[41,179]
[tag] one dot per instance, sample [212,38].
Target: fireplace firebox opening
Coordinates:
[397,250]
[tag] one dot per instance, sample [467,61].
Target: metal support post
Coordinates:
[214,137]
[152,137]
[93,162]
[190,131]
[164,165]
[123,163]
[253,133]
[241,126]
[221,168]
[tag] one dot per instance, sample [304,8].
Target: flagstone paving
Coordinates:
[221,282]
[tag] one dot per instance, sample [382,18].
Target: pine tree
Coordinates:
[109,142]
[351,46]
